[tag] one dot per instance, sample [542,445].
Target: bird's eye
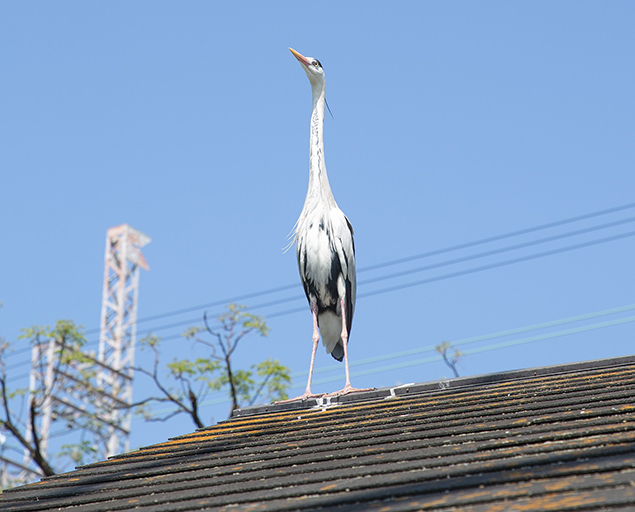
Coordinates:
[317,64]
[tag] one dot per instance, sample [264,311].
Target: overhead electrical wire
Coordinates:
[436,252]
[399,261]
[510,234]
[441,277]
[408,284]
[441,264]
[501,250]
[396,275]
[484,337]
[490,266]
[494,346]
[423,281]
[458,343]
[216,303]
[462,342]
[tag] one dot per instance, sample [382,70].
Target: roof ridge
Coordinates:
[432,386]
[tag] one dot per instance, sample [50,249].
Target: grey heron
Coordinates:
[324,245]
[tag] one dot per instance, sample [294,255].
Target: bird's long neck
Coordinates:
[318,180]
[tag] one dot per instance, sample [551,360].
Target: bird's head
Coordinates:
[312,68]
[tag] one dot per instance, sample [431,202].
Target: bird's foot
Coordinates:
[305,396]
[349,389]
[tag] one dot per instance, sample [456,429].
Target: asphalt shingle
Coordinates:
[554,438]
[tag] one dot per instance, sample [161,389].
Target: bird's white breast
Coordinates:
[316,243]
[322,235]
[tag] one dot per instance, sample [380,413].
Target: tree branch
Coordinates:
[194,414]
[8,424]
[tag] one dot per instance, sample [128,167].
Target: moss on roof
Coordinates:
[554,438]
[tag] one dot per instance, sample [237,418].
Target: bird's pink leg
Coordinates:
[347,387]
[344,337]
[316,339]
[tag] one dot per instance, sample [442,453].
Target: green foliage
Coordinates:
[67,385]
[79,453]
[188,381]
[243,384]
[183,383]
[65,332]
[191,332]
[20,392]
[276,377]
[198,370]
[149,341]
[237,314]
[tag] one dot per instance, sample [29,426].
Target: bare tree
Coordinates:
[14,424]
[452,360]
[60,381]
[192,380]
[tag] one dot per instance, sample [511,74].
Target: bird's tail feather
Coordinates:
[331,330]
[338,351]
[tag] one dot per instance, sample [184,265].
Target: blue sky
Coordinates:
[454,122]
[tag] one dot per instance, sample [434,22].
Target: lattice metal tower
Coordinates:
[42,375]
[55,395]
[118,330]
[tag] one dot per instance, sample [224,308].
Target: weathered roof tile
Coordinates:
[554,438]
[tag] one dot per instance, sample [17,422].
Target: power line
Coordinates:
[442,277]
[216,303]
[459,343]
[484,337]
[503,236]
[436,252]
[501,250]
[429,280]
[494,346]
[409,271]
[491,266]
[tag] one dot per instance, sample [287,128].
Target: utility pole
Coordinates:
[118,331]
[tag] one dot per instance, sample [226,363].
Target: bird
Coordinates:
[325,247]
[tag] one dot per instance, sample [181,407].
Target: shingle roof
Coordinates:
[554,438]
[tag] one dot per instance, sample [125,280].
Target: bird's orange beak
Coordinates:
[301,58]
